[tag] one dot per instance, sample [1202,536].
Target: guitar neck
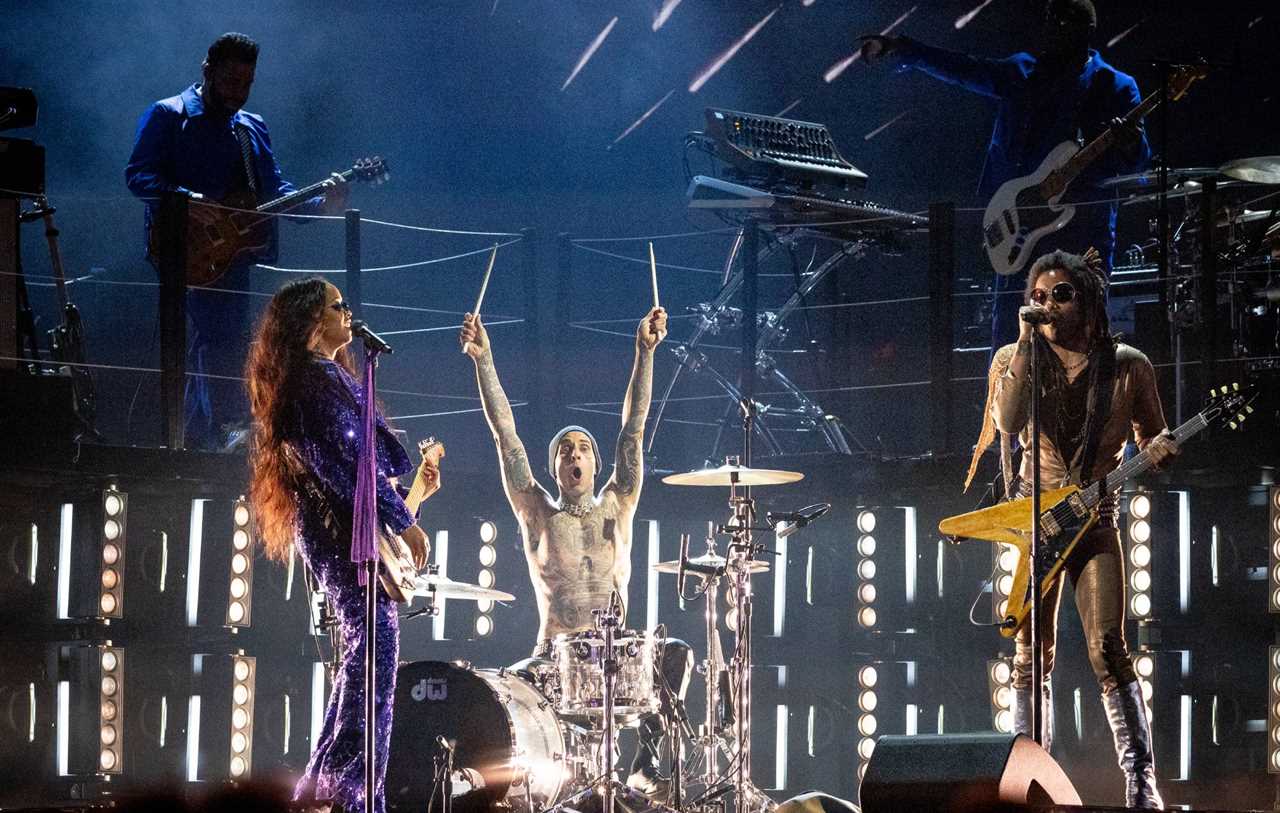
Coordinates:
[1139,463]
[295,199]
[1061,178]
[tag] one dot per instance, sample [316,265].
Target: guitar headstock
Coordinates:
[1183,76]
[431,450]
[373,169]
[1229,405]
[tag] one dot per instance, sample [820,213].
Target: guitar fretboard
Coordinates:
[1139,463]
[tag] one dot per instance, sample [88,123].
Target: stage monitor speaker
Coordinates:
[957,773]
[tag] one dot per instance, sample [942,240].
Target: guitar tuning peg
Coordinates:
[1213,392]
[1233,424]
[1236,386]
[1240,417]
[1248,409]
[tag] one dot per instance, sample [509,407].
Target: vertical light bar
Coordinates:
[651,577]
[779,587]
[317,701]
[909,552]
[1184,551]
[164,719]
[442,560]
[288,576]
[31,712]
[809,738]
[942,719]
[1213,554]
[942,557]
[35,553]
[288,724]
[912,722]
[64,561]
[164,559]
[195,545]
[780,752]
[193,738]
[64,721]
[1184,738]
[808,577]
[1077,709]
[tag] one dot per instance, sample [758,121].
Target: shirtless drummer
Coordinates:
[579,546]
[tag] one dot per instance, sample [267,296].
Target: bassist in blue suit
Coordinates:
[1063,92]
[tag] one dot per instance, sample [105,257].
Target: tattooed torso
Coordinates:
[575,563]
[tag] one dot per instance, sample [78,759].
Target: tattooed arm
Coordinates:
[523,491]
[628,471]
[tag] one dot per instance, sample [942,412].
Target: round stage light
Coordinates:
[239,564]
[866,592]
[1141,605]
[866,746]
[1275,761]
[867,617]
[240,694]
[240,539]
[112,504]
[1140,506]
[108,710]
[1148,691]
[110,661]
[107,759]
[731,620]
[1002,609]
[484,625]
[1141,580]
[242,514]
[1008,559]
[1140,531]
[241,670]
[867,545]
[1001,672]
[488,532]
[239,742]
[107,603]
[110,578]
[1144,665]
[1004,584]
[108,735]
[485,605]
[1275,597]
[1275,659]
[867,700]
[239,717]
[109,685]
[111,529]
[235,612]
[239,587]
[486,578]
[867,677]
[866,521]
[867,569]
[238,766]
[867,724]
[488,555]
[1140,556]
[1004,721]
[110,554]
[1003,697]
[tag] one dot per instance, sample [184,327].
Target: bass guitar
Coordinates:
[238,228]
[1068,513]
[398,569]
[1025,209]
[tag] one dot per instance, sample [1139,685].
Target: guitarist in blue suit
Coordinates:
[1065,91]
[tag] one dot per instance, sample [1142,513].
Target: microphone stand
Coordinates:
[370,567]
[1037,666]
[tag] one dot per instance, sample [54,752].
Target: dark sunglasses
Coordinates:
[343,307]
[1062,293]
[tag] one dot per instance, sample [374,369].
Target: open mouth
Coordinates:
[577,473]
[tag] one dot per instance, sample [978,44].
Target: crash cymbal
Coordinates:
[444,587]
[1151,177]
[728,475]
[707,560]
[1183,189]
[1260,169]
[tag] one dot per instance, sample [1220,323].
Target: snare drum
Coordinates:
[578,659]
[503,728]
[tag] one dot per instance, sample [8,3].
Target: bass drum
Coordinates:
[500,725]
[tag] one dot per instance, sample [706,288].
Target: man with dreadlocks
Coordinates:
[1095,391]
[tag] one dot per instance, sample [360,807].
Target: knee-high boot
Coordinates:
[1127,714]
[1022,713]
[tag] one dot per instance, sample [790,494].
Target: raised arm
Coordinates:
[988,77]
[628,470]
[517,477]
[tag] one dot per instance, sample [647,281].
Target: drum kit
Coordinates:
[542,736]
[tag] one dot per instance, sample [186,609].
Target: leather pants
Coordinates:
[1096,570]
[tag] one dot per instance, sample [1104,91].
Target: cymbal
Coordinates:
[1182,189]
[1151,177]
[1260,169]
[708,560]
[728,475]
[444,587]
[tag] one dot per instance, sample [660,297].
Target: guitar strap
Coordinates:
[1101,394]
[246,153]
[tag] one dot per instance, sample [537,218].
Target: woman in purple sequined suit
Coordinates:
[306,408]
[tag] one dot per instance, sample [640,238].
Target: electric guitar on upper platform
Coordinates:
[398,569]
[1025,209]
[1068,513]
[217,237]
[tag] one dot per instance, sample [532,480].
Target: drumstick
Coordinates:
[485,284]
[653,276]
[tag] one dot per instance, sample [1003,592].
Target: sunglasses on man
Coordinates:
[1062,293]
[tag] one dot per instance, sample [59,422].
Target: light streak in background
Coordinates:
[494,9]
[722,60]
[833,73]
[965,19]
[807,3]
[664,13]
[646,115]
[590,52]
[784,111]
[1111,43]
[885,126]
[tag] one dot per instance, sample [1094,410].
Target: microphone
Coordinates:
[797,519]
[443,743]
[371,340]
[1035,316]
[684,562]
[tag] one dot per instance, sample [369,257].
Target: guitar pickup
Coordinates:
[1077,506]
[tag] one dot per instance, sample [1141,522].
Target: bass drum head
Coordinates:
[491,733]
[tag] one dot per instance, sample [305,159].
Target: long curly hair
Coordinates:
[1091,289]
[277,357]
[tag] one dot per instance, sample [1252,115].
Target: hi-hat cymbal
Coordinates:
[708,560]
[1151,177]
[444,587]
[1259,169]
[728,475]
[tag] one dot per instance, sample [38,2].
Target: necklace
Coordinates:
[579,510]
